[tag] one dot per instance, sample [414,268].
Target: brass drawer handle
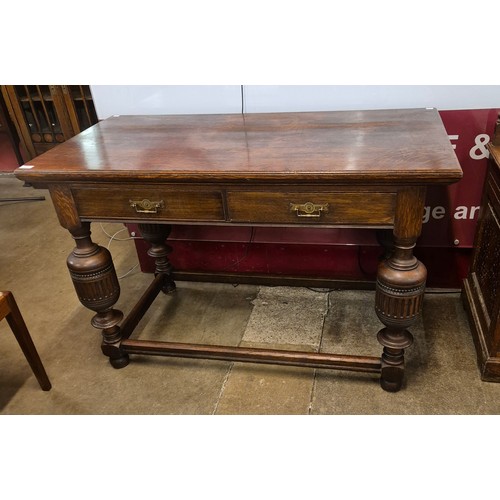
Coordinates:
[146,206]
[308,209]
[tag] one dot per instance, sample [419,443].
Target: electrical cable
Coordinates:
[234,265]
[114,238]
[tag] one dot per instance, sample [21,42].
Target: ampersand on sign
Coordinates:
[479,151]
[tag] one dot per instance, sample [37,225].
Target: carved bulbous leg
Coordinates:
[96,284]
[156,234]
[398,303]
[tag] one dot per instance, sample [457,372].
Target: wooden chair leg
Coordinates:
[10,311]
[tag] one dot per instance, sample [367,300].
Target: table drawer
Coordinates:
[150,203]
[313,207]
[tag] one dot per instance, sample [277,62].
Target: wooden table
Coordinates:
[356,169]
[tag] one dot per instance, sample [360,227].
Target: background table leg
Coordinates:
[156,234]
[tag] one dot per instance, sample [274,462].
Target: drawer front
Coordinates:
[150,203]
[340,207]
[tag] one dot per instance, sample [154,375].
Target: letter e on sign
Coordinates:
[438,212]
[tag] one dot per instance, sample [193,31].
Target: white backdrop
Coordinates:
[177,99]
[165,99]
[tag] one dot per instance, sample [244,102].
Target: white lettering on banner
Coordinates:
[453,138]
[465,212]
[479,151]
[438,212]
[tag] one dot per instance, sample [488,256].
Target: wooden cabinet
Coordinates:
[46,115]
[481,291]
[8,128]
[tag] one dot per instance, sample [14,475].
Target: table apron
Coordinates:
[284,205]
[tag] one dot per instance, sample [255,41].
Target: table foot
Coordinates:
[393,364]
[169,287]
[394,384]
[117,358]
[111,337]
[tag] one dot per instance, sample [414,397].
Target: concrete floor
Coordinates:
[442,376]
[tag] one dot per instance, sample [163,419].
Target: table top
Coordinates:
[408,145]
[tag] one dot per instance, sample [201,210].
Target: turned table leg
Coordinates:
[400,288]
[96,284]
[156,234]
[398,303]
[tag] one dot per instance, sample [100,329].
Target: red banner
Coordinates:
[451,213]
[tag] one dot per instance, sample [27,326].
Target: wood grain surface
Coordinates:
[341,146]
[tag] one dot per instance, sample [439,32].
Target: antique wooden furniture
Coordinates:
[46,115]
[364,169]
[10,310]
[7,127]
[481,290]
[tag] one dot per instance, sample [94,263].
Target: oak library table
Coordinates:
[325,169]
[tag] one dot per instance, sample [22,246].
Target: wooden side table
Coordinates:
[481,288]
[325,169]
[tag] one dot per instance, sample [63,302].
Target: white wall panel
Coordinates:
[276,98]
[165,99]
[191,99]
